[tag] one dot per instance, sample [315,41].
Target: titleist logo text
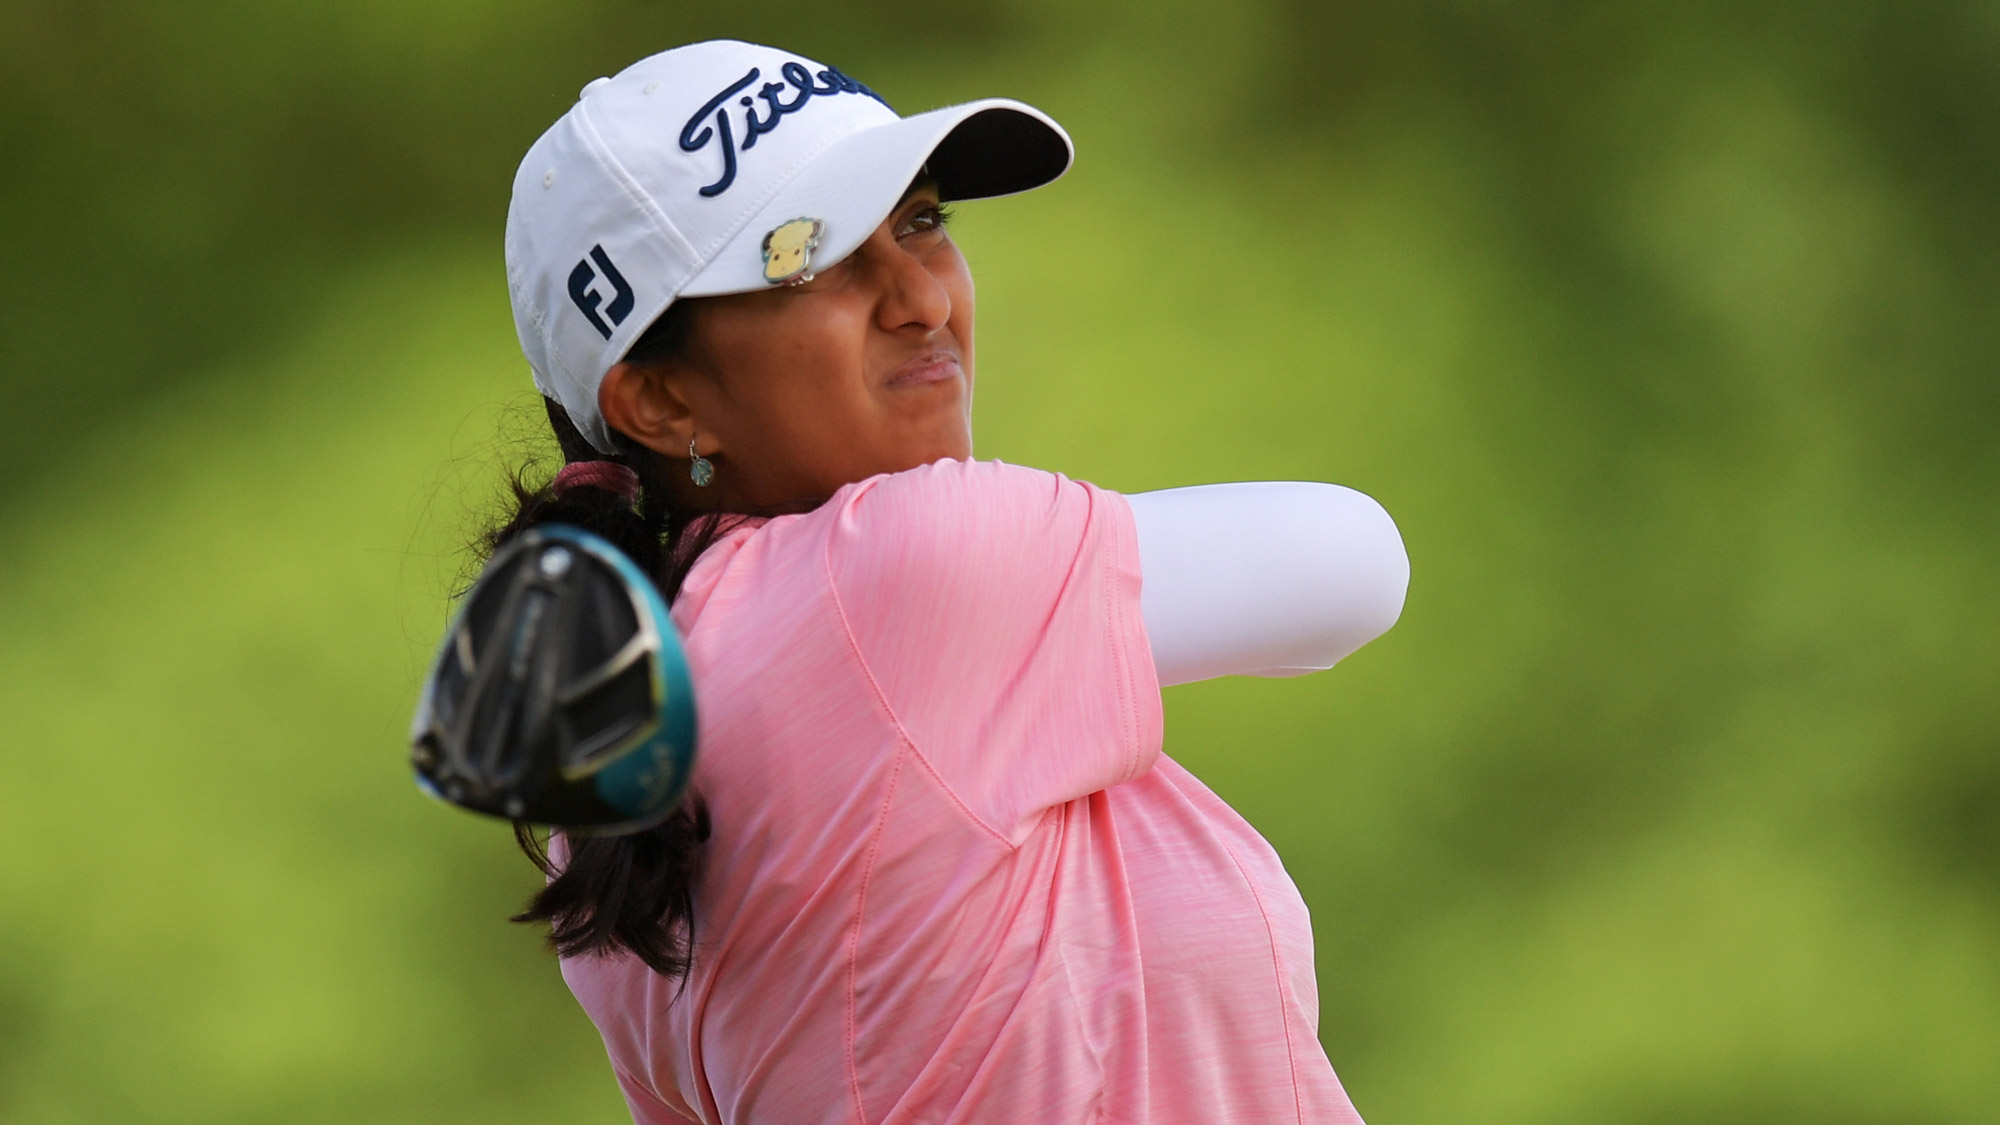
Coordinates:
[712,119]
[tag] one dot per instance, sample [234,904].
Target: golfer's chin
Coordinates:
[950,438]
[926,426]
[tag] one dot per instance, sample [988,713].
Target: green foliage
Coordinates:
[1665,334]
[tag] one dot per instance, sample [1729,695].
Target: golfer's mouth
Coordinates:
[931,367]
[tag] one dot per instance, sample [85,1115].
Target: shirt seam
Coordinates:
[1114,612]
[882,700]
[850,1015]
[1278,974]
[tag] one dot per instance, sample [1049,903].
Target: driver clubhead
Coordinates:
[560,695]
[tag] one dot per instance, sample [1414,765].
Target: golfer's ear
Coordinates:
[646,406]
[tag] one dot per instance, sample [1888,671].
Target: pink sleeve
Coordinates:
[996,609]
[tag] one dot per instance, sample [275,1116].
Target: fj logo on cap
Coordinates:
[713,117]
[588,298]
[788,251]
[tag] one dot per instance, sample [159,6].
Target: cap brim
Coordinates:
[975,151]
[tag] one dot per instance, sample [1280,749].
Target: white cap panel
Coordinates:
[661,182]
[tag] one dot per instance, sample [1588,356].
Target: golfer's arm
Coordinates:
[1266,578]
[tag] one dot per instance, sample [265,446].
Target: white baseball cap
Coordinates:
[670,178]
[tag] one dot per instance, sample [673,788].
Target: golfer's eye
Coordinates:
[926,219]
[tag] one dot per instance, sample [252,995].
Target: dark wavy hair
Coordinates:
[633,892]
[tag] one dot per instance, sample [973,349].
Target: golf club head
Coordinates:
[560,694]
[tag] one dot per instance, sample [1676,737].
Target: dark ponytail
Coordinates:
[632,892]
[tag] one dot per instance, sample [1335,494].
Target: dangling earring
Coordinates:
[699,469]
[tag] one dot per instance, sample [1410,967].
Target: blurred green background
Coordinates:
[1666,332]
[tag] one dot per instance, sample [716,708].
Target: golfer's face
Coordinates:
[865,369]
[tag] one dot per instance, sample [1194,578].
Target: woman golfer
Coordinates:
[933,865]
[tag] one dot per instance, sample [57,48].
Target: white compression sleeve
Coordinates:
[1264,578]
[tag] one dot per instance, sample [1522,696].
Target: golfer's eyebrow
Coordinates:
[924,179]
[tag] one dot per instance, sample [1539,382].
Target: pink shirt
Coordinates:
[952,877]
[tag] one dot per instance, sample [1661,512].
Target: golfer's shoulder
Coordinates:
[946,488]
[989,525]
